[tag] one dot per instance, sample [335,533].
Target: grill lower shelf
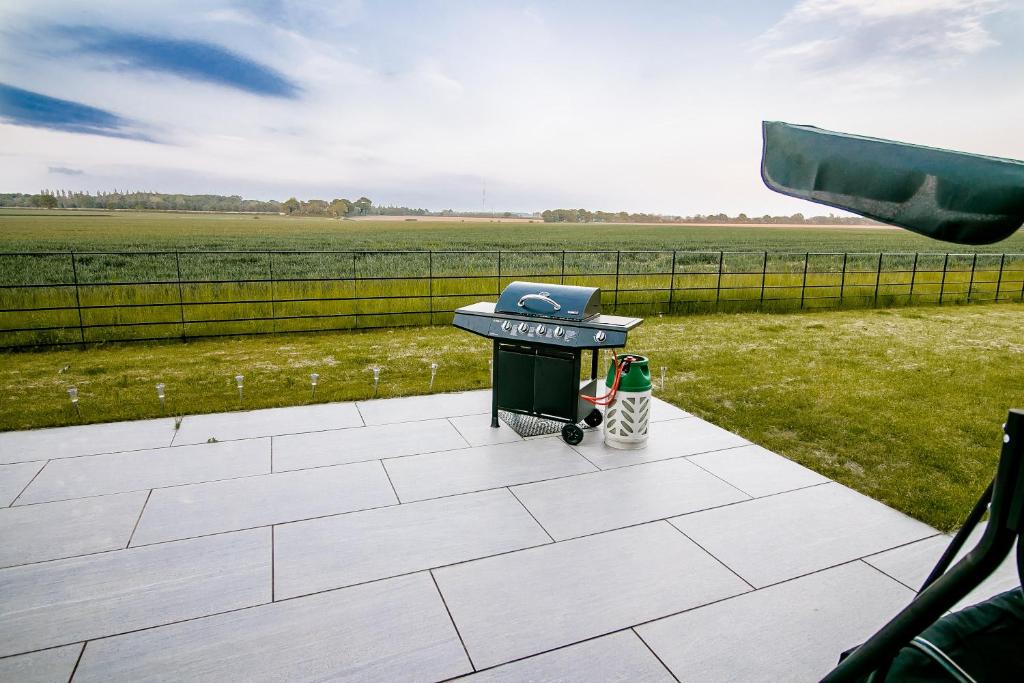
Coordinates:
[529,425]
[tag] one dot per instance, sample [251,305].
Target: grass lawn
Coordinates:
[904,405]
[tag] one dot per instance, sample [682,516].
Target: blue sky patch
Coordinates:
[190,59]
[27,108]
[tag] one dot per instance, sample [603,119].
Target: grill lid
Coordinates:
[560,302]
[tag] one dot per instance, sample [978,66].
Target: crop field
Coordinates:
[165,276]
[22,230]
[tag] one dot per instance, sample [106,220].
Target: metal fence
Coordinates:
[56,298]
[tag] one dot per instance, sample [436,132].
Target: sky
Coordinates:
[495,106]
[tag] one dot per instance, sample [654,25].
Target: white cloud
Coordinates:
[877,44]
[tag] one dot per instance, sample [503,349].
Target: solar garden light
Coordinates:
[433,373]
[662,377]
[73,395]
[160,395]
[238,381]
[313,379]
[376,379]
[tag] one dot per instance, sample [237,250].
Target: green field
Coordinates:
[904,405]
[180,291]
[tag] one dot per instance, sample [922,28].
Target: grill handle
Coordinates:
[542,296]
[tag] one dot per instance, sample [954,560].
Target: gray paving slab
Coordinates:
[484,467]
[14,479]
[154,468]
[617,658]
[434,406]
[534,600]
[668,439]
[49,531]
[317,449]
[45,666]
[66,442]
[383,631]
[200,509]
[67,601]
[910,564]
[757,470]
[611,499]
[477,430]
[793,631]
[772,539]
[248,424]
[363,546]
[663,410]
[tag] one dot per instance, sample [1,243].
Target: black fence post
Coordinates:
[273,308]
[562,280]
[842,281]
[430,284]
[718,284]
[942,284]
[878,277]
[618,258]
[672,282]
[498,289]
[999,279]
[181,298]
[355,288]
[970,285]
[764,275]
[803,283]
[78,297]
[913,277]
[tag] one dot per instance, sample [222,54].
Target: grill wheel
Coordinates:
[572,434]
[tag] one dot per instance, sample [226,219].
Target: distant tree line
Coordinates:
[364,206]
[585,216]
[133,199]
[136,200]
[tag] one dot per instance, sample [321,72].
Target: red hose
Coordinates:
[610,396]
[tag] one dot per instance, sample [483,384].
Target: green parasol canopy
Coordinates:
[952,196]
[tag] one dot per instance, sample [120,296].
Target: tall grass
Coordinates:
[56,298]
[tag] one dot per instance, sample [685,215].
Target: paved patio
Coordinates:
[405,539]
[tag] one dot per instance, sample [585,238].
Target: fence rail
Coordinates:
[52,298]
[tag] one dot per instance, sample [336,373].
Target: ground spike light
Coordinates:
[239,379]
[313,379]
[73,395]
[160,395]
[433,373]
[376,379]
[662,377]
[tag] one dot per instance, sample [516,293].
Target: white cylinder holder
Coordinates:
[626,420]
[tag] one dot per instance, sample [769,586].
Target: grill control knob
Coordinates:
[559,331]
[523,327]
[541,329]
[600,336]
[507,326]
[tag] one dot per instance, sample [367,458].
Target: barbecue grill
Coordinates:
[540,332]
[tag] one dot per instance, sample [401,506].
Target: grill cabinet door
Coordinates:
[555,384]
[514,379]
